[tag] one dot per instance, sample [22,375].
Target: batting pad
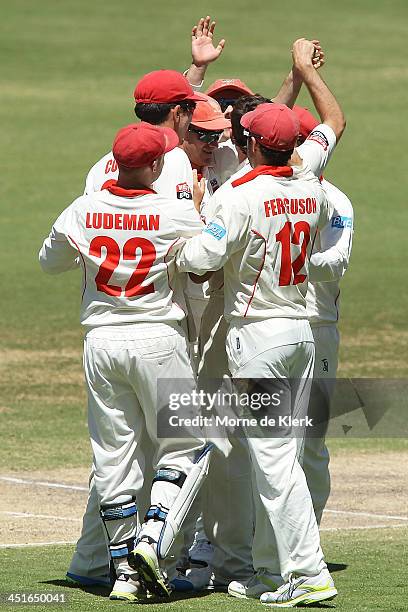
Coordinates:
[183,502]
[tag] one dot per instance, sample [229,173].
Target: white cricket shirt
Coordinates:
[174,182]
[261,229]
[123,245]
[330,259]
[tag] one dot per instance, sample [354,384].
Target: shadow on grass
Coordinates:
[101,591]
[336,567]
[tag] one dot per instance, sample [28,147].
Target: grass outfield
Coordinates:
[68,73]
[367,572]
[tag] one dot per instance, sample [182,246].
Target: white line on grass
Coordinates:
[58,485]
[369,514]
[362,528]
[39,483]
[35,544]
[40,516]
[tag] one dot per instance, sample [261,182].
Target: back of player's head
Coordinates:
[275,130]
[139,144]
[157,113]
[158,92]
[243,105]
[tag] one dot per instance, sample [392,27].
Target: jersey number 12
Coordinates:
[290,270]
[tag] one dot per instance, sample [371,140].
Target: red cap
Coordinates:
[233,85]
[276,126]
[164,87]
[207,115]
[307,120]
[139,144]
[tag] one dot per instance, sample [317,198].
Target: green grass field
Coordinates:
[67,79]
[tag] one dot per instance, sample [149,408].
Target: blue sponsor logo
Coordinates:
[215,230]
[342,222]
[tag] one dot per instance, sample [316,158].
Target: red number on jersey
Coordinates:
[289,267]
[134,285]
[110,263]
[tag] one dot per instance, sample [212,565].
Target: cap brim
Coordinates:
[241,90]
[172,139]
[197,97]
[213,124]
[246,119]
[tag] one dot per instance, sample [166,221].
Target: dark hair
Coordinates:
[243,105]
[156,113]
[275,158]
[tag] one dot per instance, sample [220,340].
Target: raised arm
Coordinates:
[326,104]
[292,84]
[203,50]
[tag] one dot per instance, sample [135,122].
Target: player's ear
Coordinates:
[253,145]
[177,111]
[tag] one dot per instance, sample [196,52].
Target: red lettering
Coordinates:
[301,206]
[107,221]
[88,220]
[118,221]
[154,222]
[294,206]
[129,222]
[280,206]
[111,166]
[267,208]
[142,222]
[97,220]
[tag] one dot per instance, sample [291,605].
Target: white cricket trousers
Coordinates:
[280,349]
[123,365]
[227,493]
[91,556]
[316,455]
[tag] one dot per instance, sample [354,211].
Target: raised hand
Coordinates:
[202,46]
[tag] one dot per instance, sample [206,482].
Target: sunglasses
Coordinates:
[226,102]
[207,136]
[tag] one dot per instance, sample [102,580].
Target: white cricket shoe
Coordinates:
[193,579]
[301,589]
[147,564]
[261,582]
[128,587]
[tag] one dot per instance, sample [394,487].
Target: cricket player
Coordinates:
[238,236]
[168,101]
[164,98]
[122,236]
[329,261]
[328,264]
[222,500]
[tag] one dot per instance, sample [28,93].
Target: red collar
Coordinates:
[112,187]
[285,171]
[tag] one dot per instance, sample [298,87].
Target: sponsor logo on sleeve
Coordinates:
[183,191]
[320,138]
[214,185]
[342,222]
[215,230]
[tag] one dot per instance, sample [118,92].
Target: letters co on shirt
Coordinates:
[122,221]
[292,206]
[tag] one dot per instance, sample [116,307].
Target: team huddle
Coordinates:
[211,249]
